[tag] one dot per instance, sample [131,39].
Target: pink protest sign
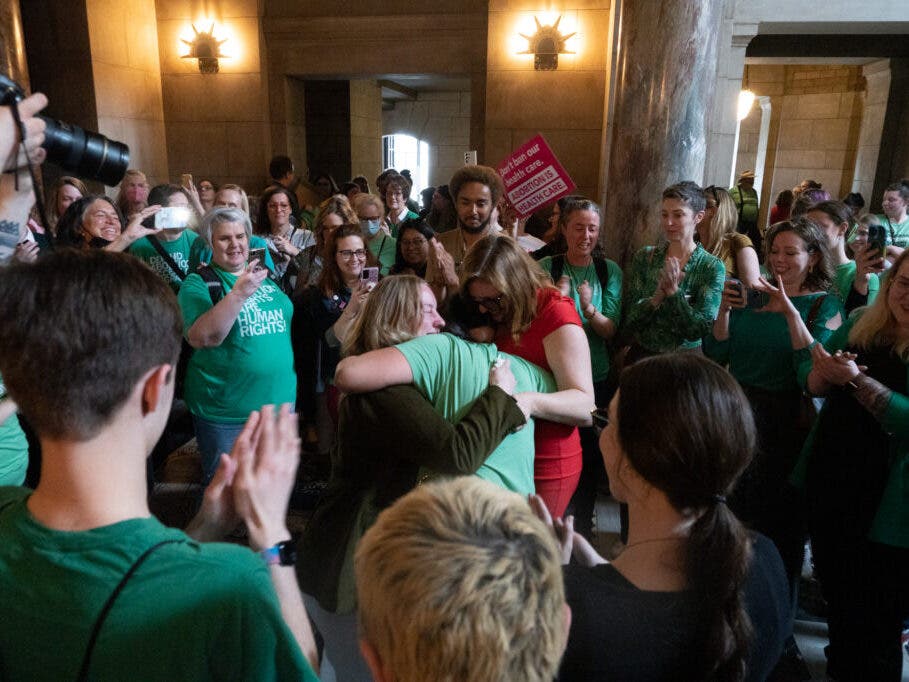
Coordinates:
[533,176]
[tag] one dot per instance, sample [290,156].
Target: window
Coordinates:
[405,151]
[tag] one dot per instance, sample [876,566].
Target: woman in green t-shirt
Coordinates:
[756,346]
[855,281]
[238,322]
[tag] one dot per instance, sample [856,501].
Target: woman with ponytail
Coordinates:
[693,595]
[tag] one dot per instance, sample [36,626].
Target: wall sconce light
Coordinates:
[546,45]
[206,48]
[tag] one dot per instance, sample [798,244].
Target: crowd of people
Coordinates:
[473,387]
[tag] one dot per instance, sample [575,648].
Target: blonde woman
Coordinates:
[370,469]
[860,538]
[718,236]
[335,211]
[133,194]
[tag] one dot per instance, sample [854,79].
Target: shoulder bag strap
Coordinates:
[108,605]
[892,235]
[602,270]
[556,267]
[211,279]
[814,311]
[171,263]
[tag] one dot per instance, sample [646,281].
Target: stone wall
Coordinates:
[874,108]
[442,120]
[816,113]
[365,129]
[566,105]
[216,124]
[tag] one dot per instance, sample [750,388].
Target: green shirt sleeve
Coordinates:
[194,300]
[611,300]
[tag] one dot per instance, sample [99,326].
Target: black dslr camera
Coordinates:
[88,155]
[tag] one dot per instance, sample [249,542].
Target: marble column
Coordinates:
[665,73]
[12,43]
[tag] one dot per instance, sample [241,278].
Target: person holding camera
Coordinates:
[167,251]
[238,322]
[751,337]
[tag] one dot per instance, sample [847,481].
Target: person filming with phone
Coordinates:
[238,322]
[326,311]
[751,336]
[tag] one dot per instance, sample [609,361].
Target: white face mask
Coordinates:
[370,227]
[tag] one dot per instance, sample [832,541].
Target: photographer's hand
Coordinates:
[10,149]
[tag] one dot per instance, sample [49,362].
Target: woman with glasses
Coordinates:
[323,316]
[412,251]
[368,208]
[397,192]
[717,234]
[334,212]
[531,319]
[284,240]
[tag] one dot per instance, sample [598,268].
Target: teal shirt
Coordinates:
[394,228]
[608,302]
[452,374]
[13,449]
[759,350]
[178,249]
[383,248]
[681,320]
[897,233]
[253,366]
[192,612]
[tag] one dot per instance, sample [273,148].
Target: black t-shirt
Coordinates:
[619,632]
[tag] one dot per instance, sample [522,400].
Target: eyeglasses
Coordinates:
[600,417]
[493,305]
[399,195]
[347,254]
[412,243]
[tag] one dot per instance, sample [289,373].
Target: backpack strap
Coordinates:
[814,311]
[171,263]
[602,269]
[211,279]
[557,267]
[108,605]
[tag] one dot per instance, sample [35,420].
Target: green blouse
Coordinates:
[682,319]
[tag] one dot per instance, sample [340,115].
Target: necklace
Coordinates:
[586,278]
[668,538]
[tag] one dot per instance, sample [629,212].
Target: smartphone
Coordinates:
[877,239]
[755,298]
[173,218]
[259,254]
[370,276]
[186,180]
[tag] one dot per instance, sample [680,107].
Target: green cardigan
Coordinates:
[384,439]
[891,521]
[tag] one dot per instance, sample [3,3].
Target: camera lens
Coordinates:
[88,155]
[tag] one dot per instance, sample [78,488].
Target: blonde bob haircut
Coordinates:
[877,325]
[500,262]
[458,580]
[392,315]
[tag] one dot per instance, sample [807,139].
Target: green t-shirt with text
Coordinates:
[178,249]
[452,373]
[253,366]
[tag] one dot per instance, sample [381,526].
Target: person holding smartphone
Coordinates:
[755,344]
[323,315]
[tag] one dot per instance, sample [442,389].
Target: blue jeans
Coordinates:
[213,439]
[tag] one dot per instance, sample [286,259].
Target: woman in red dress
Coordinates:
[534,321]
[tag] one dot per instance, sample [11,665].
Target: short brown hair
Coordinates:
[482,174]
[79,330]
[492,609]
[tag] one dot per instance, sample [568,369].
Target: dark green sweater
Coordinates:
[385,439]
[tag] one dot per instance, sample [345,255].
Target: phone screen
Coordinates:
[257,254]
[371,275]
[172,218]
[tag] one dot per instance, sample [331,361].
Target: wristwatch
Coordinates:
[282,554]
